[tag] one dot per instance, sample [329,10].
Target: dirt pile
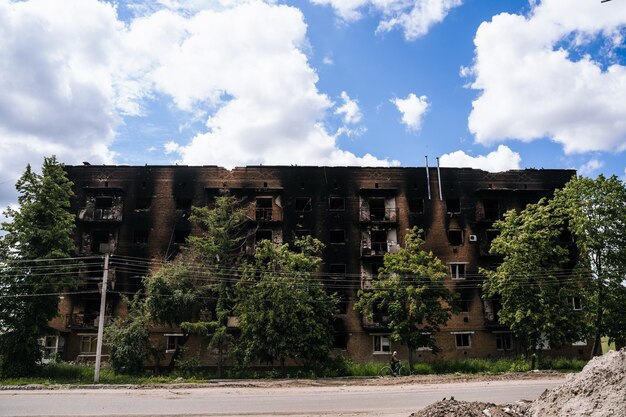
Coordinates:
[453,408]
[599,390]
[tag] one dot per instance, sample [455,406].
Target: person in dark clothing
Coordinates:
[394,362]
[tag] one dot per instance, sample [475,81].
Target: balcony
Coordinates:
[378,215]
[374,249]
[91,214]
[376,322]
[84,320]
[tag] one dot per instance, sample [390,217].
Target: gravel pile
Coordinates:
[599,390]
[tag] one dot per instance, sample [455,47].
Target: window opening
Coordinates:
[465,301]
[104,202]
[140,237]
[504,341]
[453,205]
[142,203]
[180,236]
[264,208]
[263,235]
[337,236]
[99,237]
[336,204]
[183,203]
[302,233]
[379,241]
[455,237]
[381,344]
[463,340]
[457,270]
[416,206]
[492,209]
[377,208]
[88,344]
[303,204]
[337,271]
[576,303]
[172,342]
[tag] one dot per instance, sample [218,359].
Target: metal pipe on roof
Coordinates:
[427,176]
[439,180]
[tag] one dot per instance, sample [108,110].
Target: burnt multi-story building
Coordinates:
[140,214]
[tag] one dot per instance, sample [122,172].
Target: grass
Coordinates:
[66,373]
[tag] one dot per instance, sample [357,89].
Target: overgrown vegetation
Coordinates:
[64,373]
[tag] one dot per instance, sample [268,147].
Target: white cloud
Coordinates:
[413,17]
[413,109]
[328,60]
[590,167]
[532,86]
[349,109]
[71,71]
[502,159]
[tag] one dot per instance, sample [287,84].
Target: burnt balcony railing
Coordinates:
[378,215]
[376,321]
[378,248]
[90,214]
[83,321]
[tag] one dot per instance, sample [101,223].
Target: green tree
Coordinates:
[283,309]
[410,289]
[597,218]
[128,338]
[40,229]
[533,282]
[195,291]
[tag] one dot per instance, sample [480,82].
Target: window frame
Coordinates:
[342,207]
[501,339]
[383,342]
[469,339]
[308,204]
[457,276]
[176,338]
[92,344]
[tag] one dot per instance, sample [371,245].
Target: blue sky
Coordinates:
[494,85]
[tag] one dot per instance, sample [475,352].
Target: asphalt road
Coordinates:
[347,401]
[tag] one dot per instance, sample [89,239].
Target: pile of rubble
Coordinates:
[599,390]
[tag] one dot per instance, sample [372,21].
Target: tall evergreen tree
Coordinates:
[39,230]
[410,289]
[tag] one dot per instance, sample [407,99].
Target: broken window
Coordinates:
[337,271]
[264,208]
[491,234]
[140,237]
[381,344]
[336,204]
[263,235]
[302,233]
[457,270]
[337,236]
[180,236]
[455,237]
[377,208]
[416,206]
[576,303]
[465,300]
[340,335]
[183,203]
[453,205]
[303,204]
[99,238]
[463,340]
[376,267]
[504,341]
[142,203]
[379,241]
[491,209]
[104,202]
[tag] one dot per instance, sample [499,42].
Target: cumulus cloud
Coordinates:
[534,85]
[502,159]
[590,167]
[413,17]
[349,109]
[413,109]
[71,71]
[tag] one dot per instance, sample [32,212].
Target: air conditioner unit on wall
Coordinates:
[473,238]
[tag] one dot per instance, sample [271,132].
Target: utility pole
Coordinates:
[103,302]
